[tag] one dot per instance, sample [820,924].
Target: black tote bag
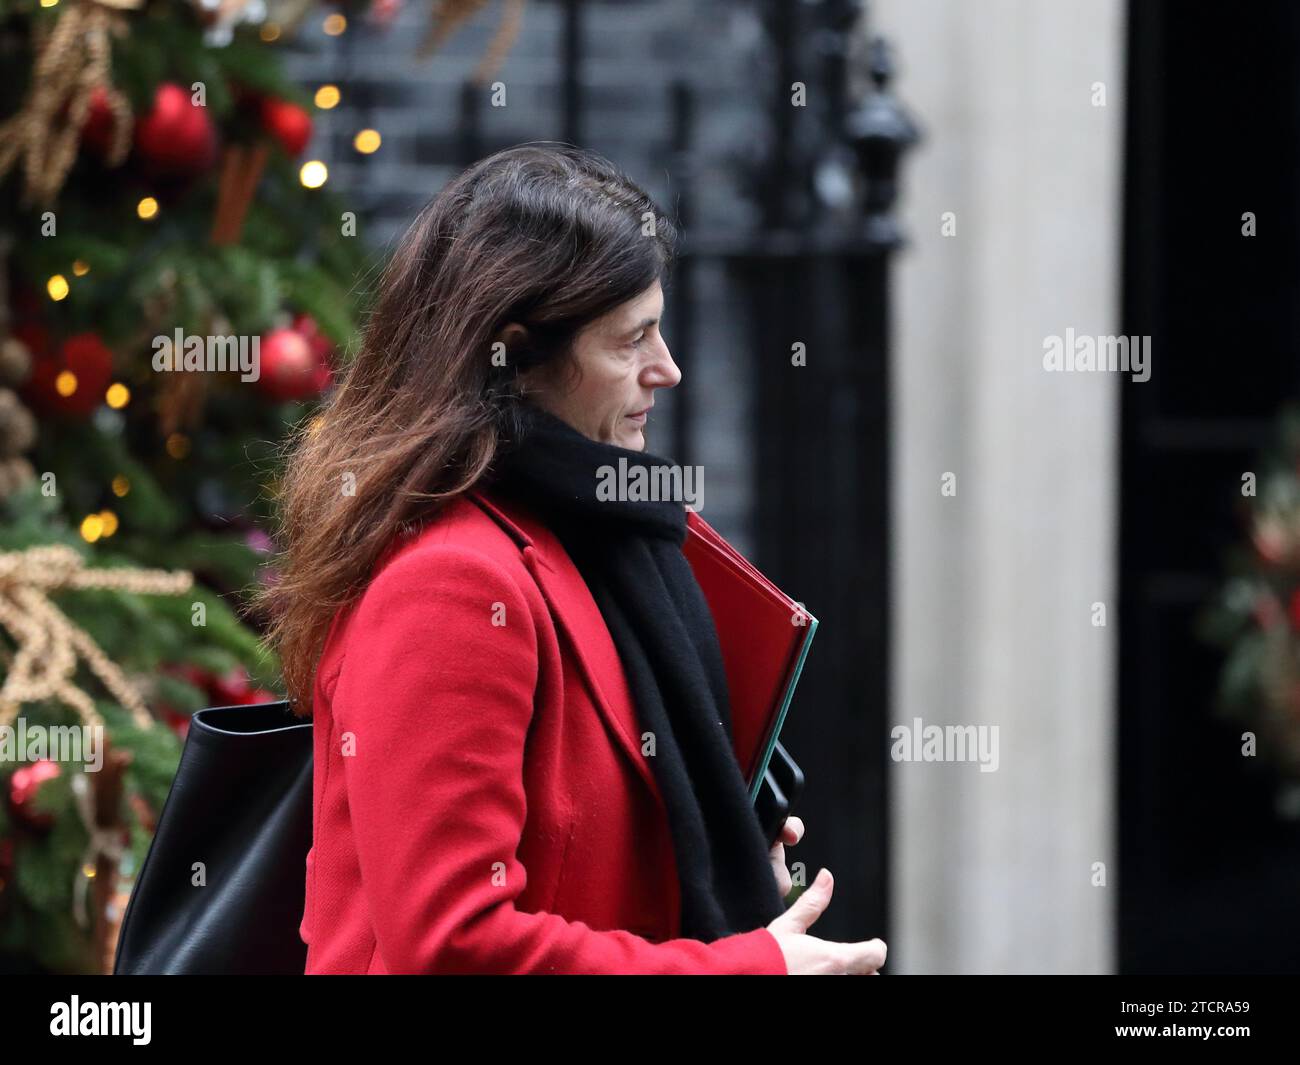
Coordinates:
[241,805]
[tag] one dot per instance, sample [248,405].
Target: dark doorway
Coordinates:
[1208,871]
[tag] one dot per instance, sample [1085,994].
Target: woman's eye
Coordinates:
[637,342]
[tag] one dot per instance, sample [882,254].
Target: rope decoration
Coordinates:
[73,61]
[49,644]
[449,15]
[103,844]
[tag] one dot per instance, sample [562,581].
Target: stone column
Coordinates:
[994,587]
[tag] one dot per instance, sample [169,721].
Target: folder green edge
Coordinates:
[786,699]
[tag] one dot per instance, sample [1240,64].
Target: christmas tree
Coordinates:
[177,289]
[1256,616]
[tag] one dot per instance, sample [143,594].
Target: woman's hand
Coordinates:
[791,833]
[806,955]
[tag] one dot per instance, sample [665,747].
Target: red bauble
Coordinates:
[175,720]
[306,325]
[40,391]
[192,674]
[322,378]
[1266,611]
[89,358]
[35,336]
[90,361]
[25,785]
[290,368]
[229,688]
[258,695]
[383,12]
[176,138]
[97,133]
[1293,610]
[321,347]
[288,123]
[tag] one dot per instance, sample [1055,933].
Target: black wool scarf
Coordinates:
[630,556]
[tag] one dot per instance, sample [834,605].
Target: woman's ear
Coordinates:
[513,338]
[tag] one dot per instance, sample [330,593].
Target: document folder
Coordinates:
[765,636]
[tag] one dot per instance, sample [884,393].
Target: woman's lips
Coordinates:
[640,416]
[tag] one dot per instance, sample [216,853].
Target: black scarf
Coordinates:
[629,553]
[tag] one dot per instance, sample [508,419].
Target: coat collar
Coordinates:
[577,616]
[502,510]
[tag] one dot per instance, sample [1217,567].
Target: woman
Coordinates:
[522,755]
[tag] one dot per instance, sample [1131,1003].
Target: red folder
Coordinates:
[765,636]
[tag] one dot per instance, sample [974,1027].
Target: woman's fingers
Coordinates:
[866,958]
[779,870]
[791,833]
[810,904]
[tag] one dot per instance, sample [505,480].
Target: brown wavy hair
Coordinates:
[546,235]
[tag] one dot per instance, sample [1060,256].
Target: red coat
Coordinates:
[480,800]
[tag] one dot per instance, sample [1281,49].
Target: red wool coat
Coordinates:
[480,800]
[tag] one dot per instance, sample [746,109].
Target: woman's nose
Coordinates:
[663,372]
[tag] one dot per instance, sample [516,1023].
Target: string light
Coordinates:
[178,445]
[327,96]
[117,396]
[269,32]
[147,208]
[92,528]
[367,141]
[335,24]
[121,485]
[57,287]
[108,522]
[81,268]
[66,383]
[313,174]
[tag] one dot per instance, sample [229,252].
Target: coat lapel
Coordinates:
[583,627]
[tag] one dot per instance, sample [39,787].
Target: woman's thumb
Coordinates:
[811,903]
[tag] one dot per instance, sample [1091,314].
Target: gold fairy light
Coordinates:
[313,174]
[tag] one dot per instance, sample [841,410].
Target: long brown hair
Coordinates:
[546,235]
